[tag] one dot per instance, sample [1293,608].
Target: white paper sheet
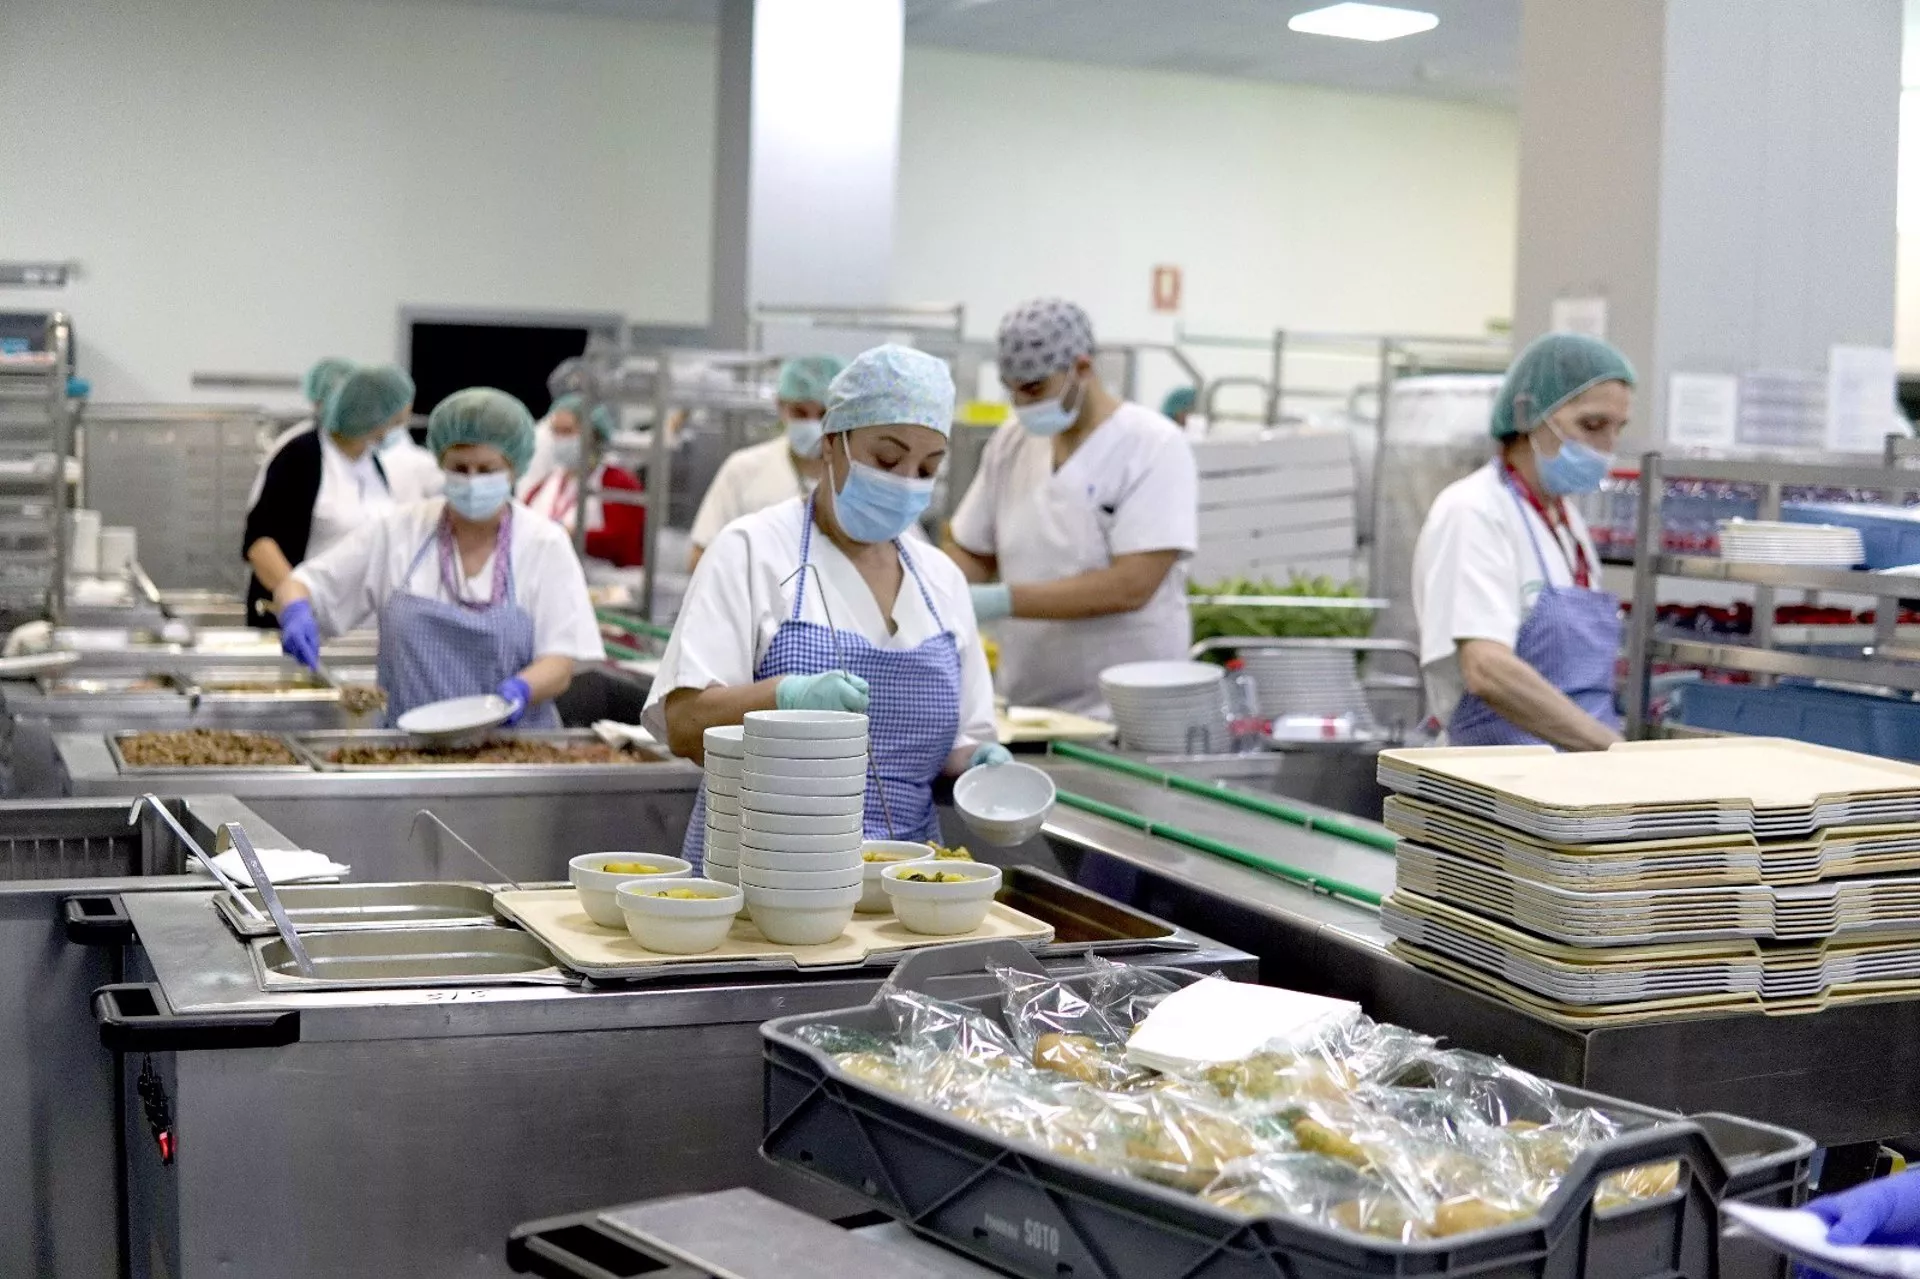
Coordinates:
[1703,410]
[1862,386]
[1579,315]
[1215,1020]
[1803,1236]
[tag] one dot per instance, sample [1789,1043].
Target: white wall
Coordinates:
[251,183]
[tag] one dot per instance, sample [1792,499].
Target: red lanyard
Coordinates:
[1577,562]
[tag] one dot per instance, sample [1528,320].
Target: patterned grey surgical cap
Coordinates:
[1042,337]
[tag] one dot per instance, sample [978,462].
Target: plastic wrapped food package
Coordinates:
[1371,1129]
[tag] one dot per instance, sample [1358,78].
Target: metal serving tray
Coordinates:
[342,908]
[236,683]
[198,770]
[1084,921]
[313,748]
[156,684]
[401,958]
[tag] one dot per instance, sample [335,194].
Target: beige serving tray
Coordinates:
[1024,724]
[555,917]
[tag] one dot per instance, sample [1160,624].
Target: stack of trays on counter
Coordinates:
[1804,545]
[726,752]
[1658,878]
[803,785]
[1168,708]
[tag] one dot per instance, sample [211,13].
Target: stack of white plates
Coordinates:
[1168,708]
[803,784]
[726,752]
[1307,681]
[1775,542]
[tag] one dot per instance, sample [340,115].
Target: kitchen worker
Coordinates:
[325,373]
[1085,509]
[1179,404]
[787,466]
[473,592]
[1517,639]
[873,623]
[412,472]
[616,531]
[322,482]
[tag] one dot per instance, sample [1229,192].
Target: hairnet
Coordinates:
[482,415]
[1180,399]
[323,377]
[891,384]
[1042,337]
[1552,370]
[366,400]
[601,417]
[805,380]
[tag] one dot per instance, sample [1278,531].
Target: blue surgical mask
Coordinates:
[1050,417]
[876,505]
[479,497]
[1575,469]
[392,439]
[568,451]
[803,435]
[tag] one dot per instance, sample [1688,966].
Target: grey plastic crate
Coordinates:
[1018,1207]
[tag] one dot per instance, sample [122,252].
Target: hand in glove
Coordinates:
[300,634]
[828,691]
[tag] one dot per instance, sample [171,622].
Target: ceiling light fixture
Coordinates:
[1363,22]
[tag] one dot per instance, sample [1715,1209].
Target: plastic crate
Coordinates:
[1882,726]
[1890,535]
[1023,1210]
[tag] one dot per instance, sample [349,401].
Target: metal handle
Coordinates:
[916,968]
[96,920]
[193,846]
[237,836]
[480,856]
[135,1017]
[582,1247]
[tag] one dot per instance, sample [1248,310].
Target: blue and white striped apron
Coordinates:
[913,715]
[432,649]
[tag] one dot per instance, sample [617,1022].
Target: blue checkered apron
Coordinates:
[431,649]
[913,714]
[1572,637]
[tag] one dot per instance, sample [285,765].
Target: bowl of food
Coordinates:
[595,876]
[678,917]
[875,856]
[940,899]
[1004,804]
[797,917]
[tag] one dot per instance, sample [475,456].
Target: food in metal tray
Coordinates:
[205,748]
[362,699]
[1367,1128]
[501,752]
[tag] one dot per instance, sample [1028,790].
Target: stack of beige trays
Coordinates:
[726,751]
[803,785]
[1658,878]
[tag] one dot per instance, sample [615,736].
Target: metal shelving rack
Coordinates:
[36,439]
[1887,658]
[736,386]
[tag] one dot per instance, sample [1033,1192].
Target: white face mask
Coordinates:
[568,450]
[803,435]
[1050,417]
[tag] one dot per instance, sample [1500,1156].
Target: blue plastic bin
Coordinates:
[1825,716]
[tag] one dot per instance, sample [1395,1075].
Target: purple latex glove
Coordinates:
[300,634]
[1886,1211]
[516,691]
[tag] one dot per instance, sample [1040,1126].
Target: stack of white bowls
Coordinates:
[802,792]
[726,752]
[1169,708]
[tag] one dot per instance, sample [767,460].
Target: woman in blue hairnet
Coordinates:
[1517,639]
[473,592]
[876,623]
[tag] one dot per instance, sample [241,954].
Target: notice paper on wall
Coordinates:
[1579,315]
[1703,410]
[1862,390]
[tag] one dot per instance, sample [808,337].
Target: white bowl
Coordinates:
[810,880]
[942,910]
[848,843]
[726,741]
[849,860]
[596,887]
[847,766]
[721,873]
[780,804]
[814,724]
[808,787]
[898,852]
[723,845]
[727,770]
[788,824]
[725,805]
[720,784]
[1004,804]
[793,917]
[680,926]
[805,747]
[723,820]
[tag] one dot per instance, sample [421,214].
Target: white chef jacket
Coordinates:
[1475,574]
[556,495]
[352,582]
[752,479]
[351,492]
[736,601]
[413,473]
[1131,487]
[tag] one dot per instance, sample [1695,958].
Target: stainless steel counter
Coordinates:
[1843,1076]
[528,820]
[406,1132]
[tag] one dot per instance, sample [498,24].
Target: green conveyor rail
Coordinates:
[1222,793]
[633,625]
[1220,848]
[623,653]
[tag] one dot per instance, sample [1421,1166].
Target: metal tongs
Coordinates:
[193,847]
[481,857]
[833,637]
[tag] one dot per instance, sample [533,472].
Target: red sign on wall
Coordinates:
[1166,288]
